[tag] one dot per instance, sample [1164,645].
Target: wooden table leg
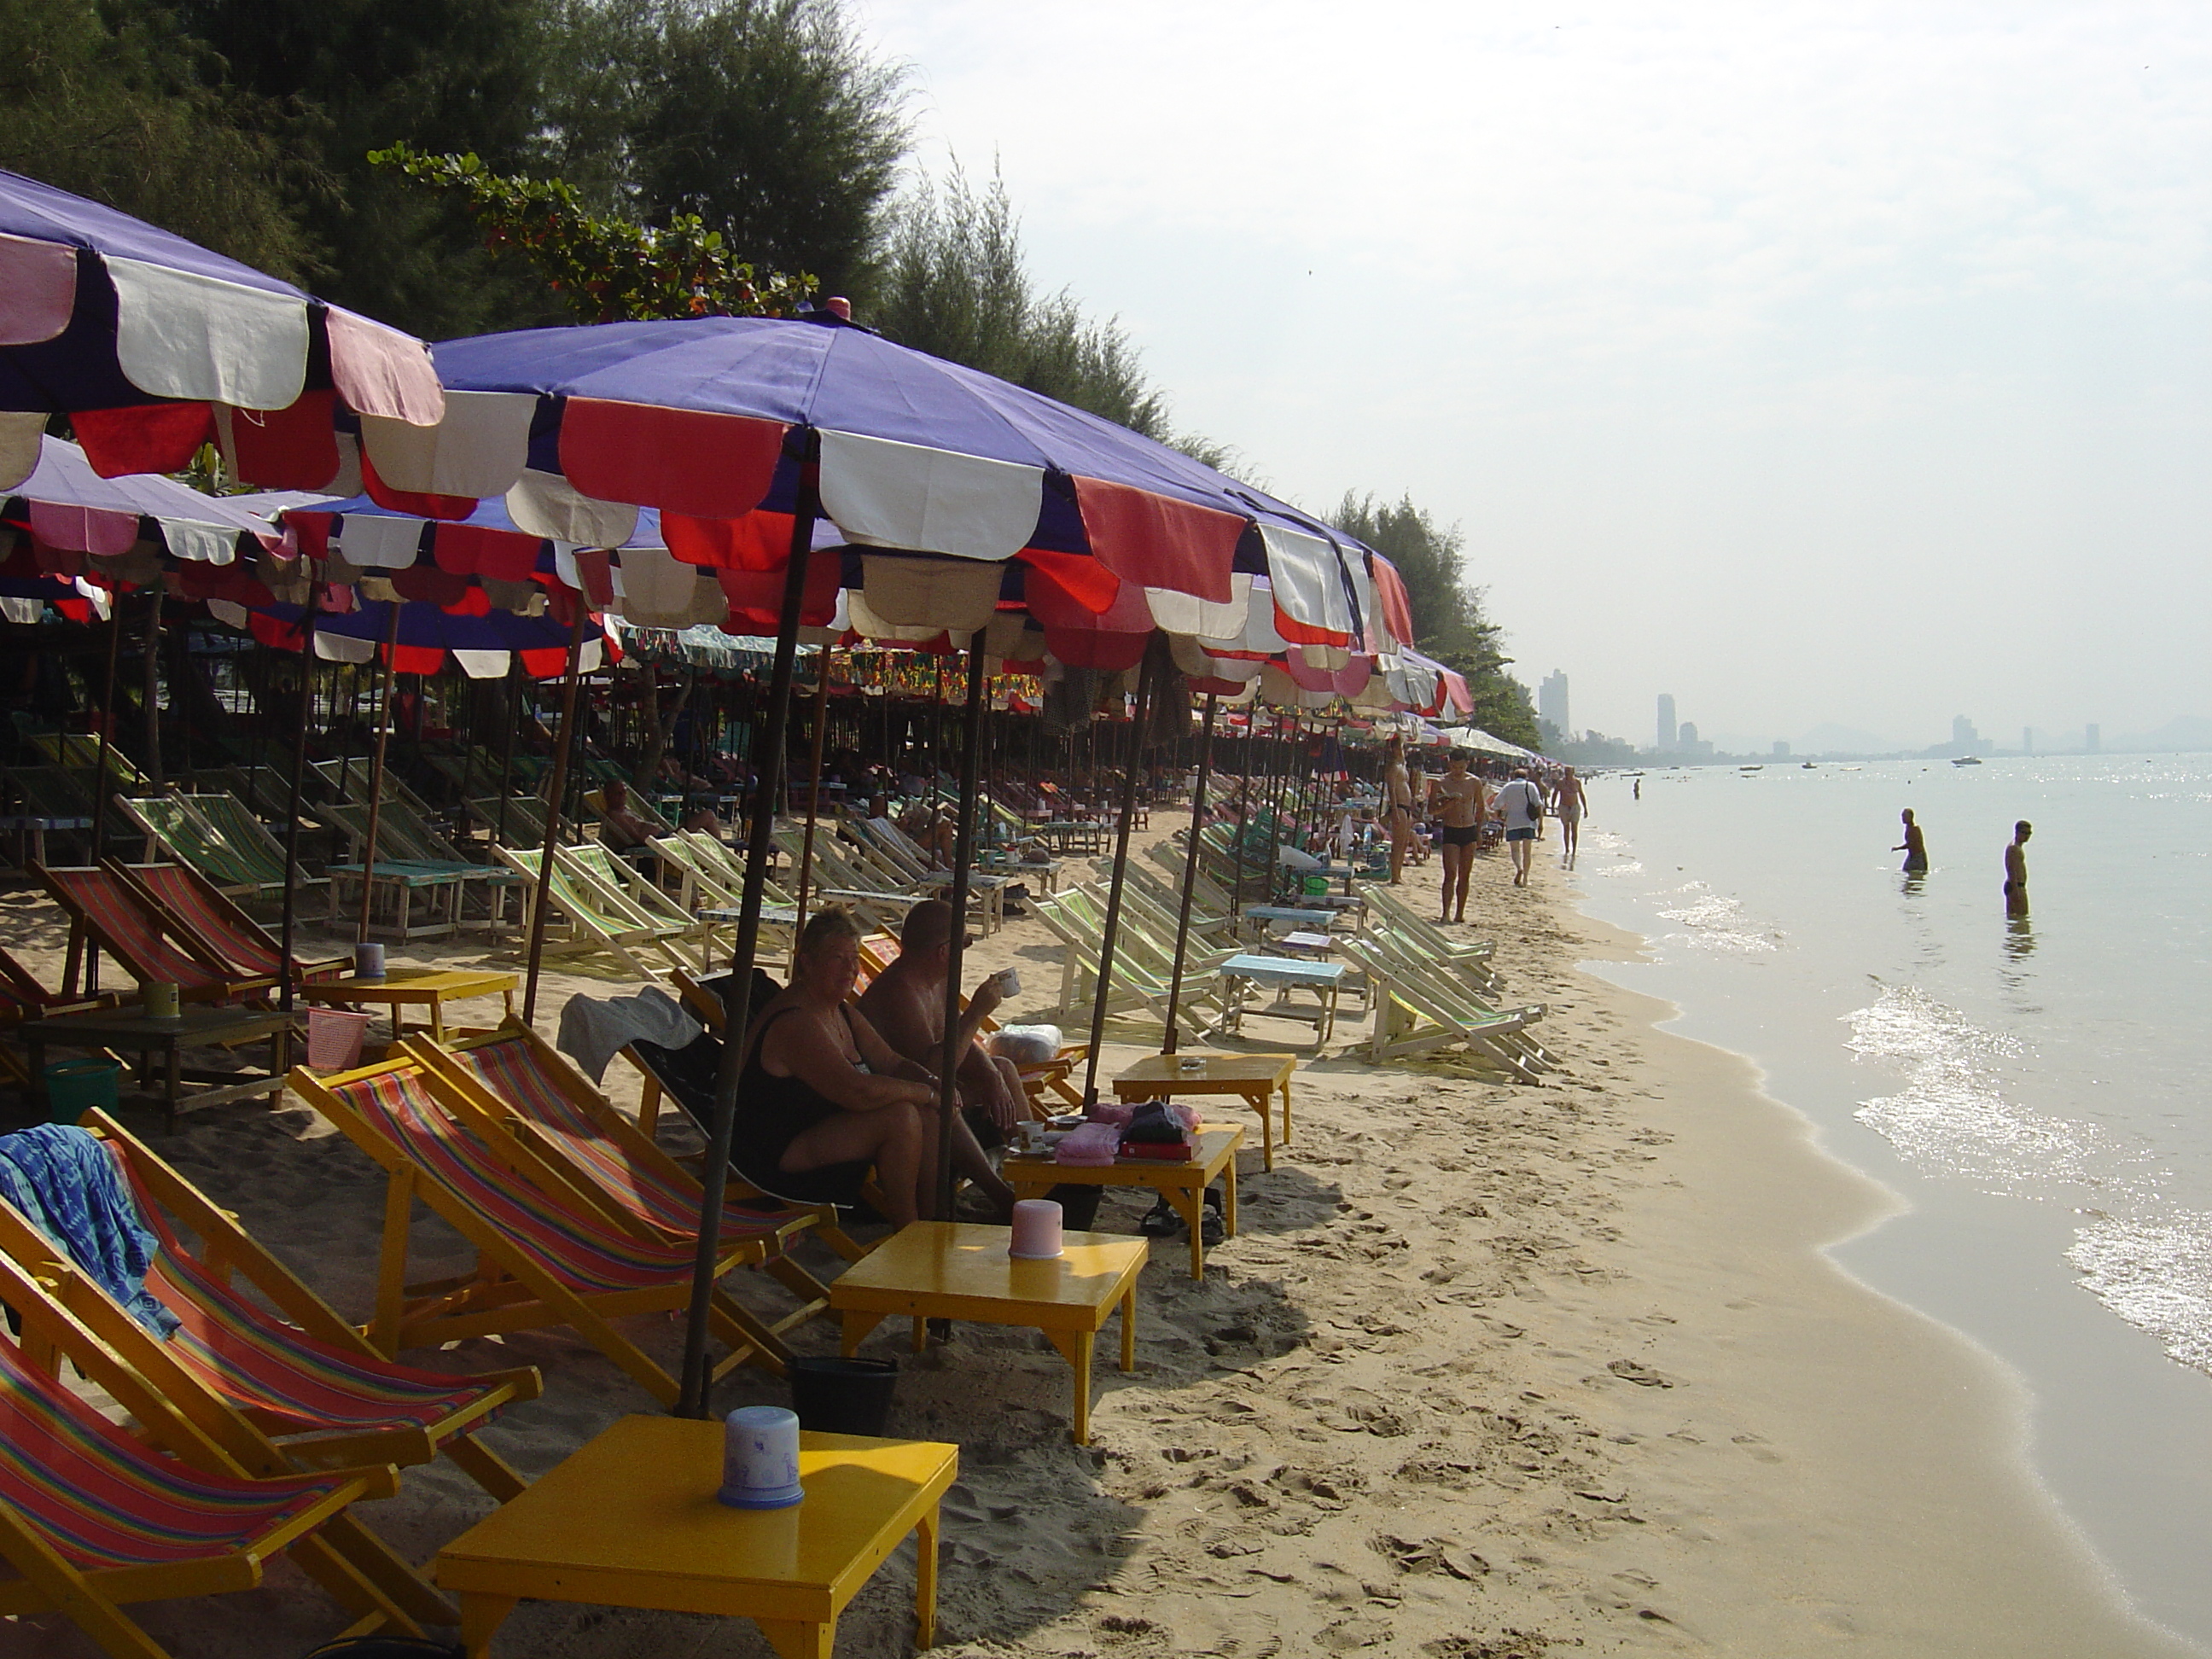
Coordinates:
[858,1323]
[1286,1113]
[1129,1330]
[797,1639]
[925,1580]
[1228,1198]
[1263,1102]
[481,1615]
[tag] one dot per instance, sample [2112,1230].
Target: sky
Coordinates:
[1846,364]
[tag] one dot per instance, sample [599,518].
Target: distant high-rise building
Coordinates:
[1781,750]
[1963,733]
[2094,738]
[1552,701]
[1669,736]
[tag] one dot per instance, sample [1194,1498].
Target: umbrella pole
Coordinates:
[154,772]
[768,753]
[963,854]
[1144,679]
[813,799]
[513,702]
[1190,868]
[561,746]
[285,927]
[376,775]
[100,792]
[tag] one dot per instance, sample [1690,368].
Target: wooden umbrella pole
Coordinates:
[1190,868]
[563,742]
[963,856]
[100,792]
[507,744]
[813,798]
[1145,677]
[376,774]
[155,774]
[289,919]
[768,752]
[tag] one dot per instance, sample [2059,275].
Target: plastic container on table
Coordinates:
[334,1037]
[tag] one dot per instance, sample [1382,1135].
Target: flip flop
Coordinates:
[1160,1221]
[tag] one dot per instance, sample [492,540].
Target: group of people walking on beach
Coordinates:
[1466,808]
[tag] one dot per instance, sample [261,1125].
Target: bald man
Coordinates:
[906,1005]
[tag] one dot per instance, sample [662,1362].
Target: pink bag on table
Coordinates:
[1115,1112]
[1092,1145]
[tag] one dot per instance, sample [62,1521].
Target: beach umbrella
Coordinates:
[154,346]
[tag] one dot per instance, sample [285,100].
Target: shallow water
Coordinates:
[2032,1089]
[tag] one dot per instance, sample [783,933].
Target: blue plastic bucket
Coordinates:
[74,1087]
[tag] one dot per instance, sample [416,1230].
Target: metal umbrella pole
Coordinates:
[768,740]
[1145,677]
[513,703]
[563,744]
[813,798]
[292,800]
[1190,868]
[376,775]
[964,855]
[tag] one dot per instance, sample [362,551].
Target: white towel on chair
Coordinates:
[593,1032]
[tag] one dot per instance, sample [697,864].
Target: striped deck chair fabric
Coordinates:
[118,920]
[515,1072]
[290,1381]
[104,1501]
[244,946]
[578,1250]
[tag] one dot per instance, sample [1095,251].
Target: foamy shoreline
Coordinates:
[1490,1370]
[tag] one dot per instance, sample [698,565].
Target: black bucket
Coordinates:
[843,1396]
[1079,1203]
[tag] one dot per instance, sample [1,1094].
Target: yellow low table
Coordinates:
[953,1270]
[632,1521]
[432,990]
[1182,1185]
[1258,1078]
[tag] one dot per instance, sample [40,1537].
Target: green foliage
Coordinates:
[768,119]
[115,103]
[954,283]
[1449,622]
[610,271]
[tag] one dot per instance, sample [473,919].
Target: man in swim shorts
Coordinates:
[1914,848]
[2015,860]
[1522,810]
[1458,798]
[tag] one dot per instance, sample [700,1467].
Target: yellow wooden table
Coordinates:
[632,1521]
[433,990]
[953,1270]
[1182,1185]
[1258,1078]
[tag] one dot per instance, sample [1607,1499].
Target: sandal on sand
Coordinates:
[1160,1221]
[1212,1230]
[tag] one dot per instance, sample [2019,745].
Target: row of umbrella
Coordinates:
[819,476]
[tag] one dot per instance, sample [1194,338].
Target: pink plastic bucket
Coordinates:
[334,1038]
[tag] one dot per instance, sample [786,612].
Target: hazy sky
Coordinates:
[1813,363]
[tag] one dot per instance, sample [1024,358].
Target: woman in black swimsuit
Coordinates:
[820,1087]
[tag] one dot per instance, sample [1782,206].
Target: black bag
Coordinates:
[1154,1125]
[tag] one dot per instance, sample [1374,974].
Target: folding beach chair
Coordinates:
[91,1519]
[597,918]
[405,844]
[172,822]
[518,822]
[193,908]
[119,919]
[1419,1010]
[545,1258]
[904,863]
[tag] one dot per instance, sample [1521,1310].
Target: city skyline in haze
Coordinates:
[1818,365]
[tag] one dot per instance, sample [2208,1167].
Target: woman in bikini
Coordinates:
[1398,802]
[1458,798]
[822,1088]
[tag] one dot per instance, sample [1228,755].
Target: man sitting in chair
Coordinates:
[905,1005]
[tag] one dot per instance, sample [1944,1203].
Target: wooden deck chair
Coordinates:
[183,834]
[410,845]
[525,819]
[543,1259]
[838,880]
[513,1082]
[120,920]
[79,752]
[243,832]
[193,908]
[902,858]
[597,918]
[1418,1012]
[1389,911]
[641,897]
[1136,990]
[354,774]
[310,1391]
[92,1519]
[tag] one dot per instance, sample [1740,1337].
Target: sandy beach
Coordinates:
[1491,1370]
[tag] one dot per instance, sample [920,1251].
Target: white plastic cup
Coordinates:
[159,997]
[1009,982]
[1036,1235]
[760,1458]
[368,961]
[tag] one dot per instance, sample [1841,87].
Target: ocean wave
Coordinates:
[2155,1275]
[1953,1116]
[1719,923]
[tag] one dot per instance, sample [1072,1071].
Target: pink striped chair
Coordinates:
[195,909]
[548,1255]
[119,920]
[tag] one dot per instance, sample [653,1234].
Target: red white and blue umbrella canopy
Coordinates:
[153,345]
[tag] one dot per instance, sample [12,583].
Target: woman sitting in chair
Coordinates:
[820,1088]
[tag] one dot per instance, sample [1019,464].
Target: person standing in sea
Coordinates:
[1522,809]
[2015,860]
[1914,848]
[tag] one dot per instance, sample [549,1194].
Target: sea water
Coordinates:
[2032,1089]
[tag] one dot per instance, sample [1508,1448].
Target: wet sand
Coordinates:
[1491,1370]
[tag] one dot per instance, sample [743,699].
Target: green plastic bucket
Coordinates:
[1316,886]
[74,1087]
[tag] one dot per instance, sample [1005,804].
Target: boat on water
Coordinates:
[1751,768]
[1967,760]
[1805,766]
